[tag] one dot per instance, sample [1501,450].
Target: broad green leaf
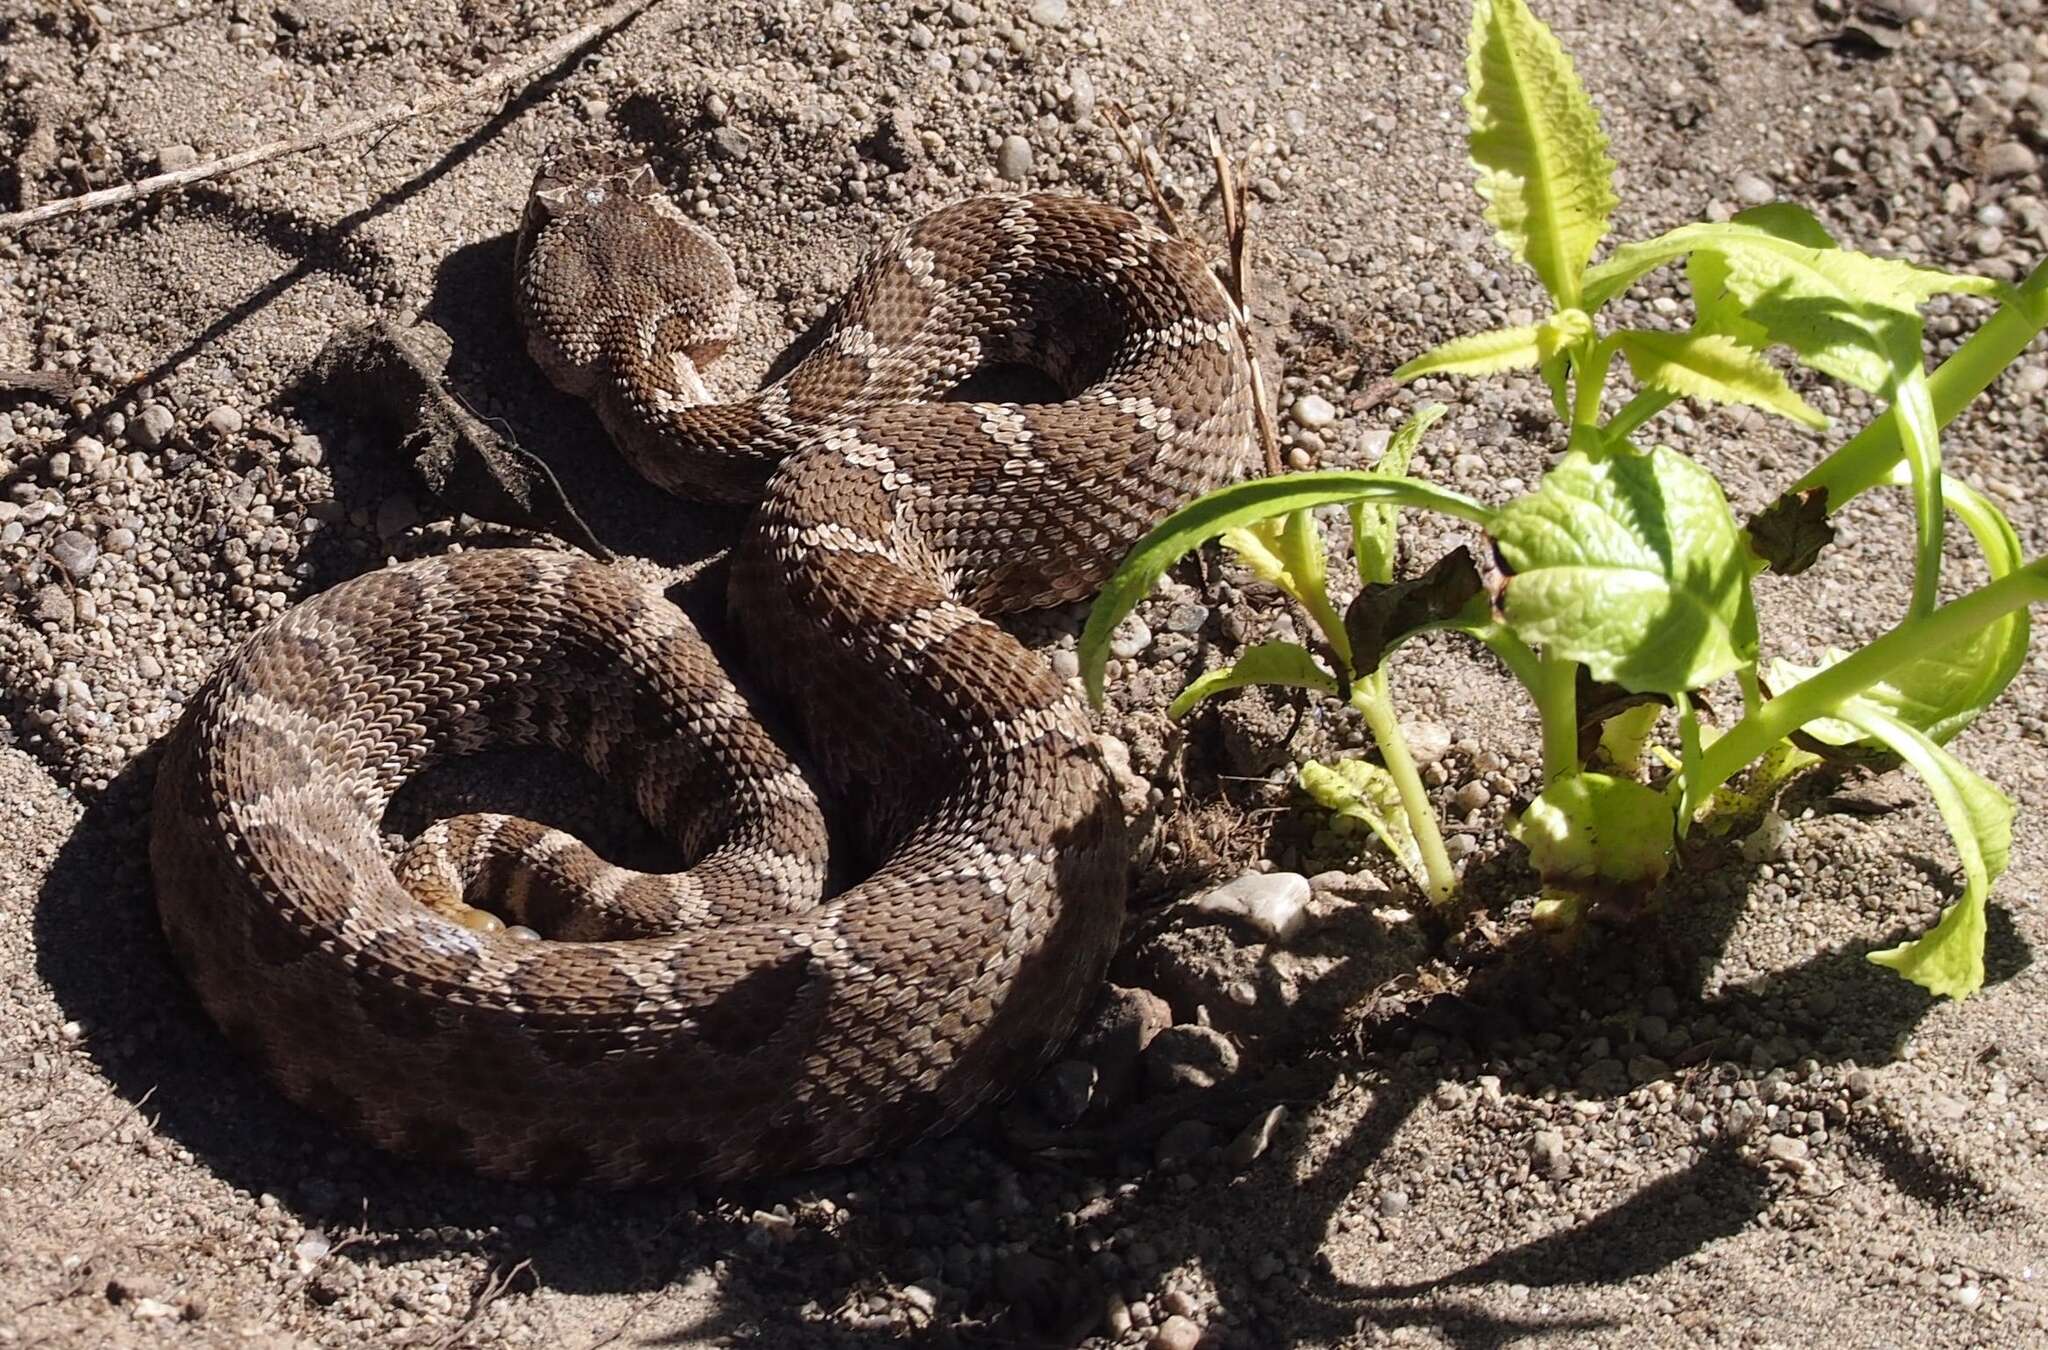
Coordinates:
[1358,789]
[1373,527]
[1596,834]
[1715,367]
[1285,663]
[1229,508]
[1537,143]
[1948,960]
[1632,565]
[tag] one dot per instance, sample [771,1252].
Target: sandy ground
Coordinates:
[1726,1129]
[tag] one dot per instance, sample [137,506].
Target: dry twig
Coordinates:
[1237,231]
[495,80]
[1120,123]
[493,1287]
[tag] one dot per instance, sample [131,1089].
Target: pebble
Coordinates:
[1254,1139]
[171,158]
[1313,411]
[1472,796]
[224,421]
[1131,636]
[1754,189]
[1048,13]
[152,426]
[1080,104]
[731,143]
[75,552]
[1177,1333]
[1427,742]
[1013,159]
[2009,159]
[1189,1056]
[1274,904]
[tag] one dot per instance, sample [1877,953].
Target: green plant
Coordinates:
[1625,583]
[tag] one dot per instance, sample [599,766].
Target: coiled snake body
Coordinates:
[735,1018]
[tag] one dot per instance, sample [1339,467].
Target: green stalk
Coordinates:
[1556,691]
[1866,459]
[1375,704]
[1638,410]
[1827,690]
[1590,362]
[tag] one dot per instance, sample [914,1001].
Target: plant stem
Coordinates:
[1827,690]
[1377,707]
[1556,691]
[1866,459]
[1638,410]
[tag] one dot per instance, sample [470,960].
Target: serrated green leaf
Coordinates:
[1948,960]
[1631,564]
[1285,663]
[1715,367]
[1229,508]
[1486,353]
[1795,240]
[1358,789]
[1537,143]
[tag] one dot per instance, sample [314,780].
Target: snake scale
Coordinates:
[741,1017]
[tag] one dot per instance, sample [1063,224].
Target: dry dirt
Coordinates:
[1723,1128]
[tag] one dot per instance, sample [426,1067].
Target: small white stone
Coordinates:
[1313,411]
[1754,189]
[1013,159]
[1273,903]
[1767,841]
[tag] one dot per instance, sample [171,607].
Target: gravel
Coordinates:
[1727,1128]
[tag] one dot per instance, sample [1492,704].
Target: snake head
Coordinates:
[582,175]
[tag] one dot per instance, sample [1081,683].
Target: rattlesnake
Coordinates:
[738,1018]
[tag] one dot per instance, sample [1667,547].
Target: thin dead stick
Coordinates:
[1237,230]
[498,78]
[1120,123]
